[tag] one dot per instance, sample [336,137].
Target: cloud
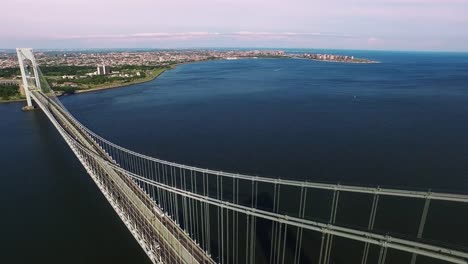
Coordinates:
[241,35]
[153,35]
[372,41]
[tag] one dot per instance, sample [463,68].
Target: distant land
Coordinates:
[77,71]
[161,57]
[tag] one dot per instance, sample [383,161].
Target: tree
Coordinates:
[7,91]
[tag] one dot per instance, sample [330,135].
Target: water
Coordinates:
[400,123]
[51,211]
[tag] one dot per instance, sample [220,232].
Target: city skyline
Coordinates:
[430,25]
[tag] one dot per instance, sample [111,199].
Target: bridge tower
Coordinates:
[27,54]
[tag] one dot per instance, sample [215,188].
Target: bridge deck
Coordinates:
[165,241]
[174,244]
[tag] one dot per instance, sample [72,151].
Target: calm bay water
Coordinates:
[401,123]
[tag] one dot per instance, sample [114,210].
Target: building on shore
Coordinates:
[103,70]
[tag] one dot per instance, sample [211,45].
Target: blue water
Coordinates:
[402,122]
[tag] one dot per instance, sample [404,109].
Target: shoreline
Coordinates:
[12,100]
[121,85]
[110,86]
[350,62]
[335,61]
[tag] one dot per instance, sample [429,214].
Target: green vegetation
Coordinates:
[66,70]
[8,92]
[65,89]
[133,68]
[9,72]
[53,78]
[51,71]
[136,74]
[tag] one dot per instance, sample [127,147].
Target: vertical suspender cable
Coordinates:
[273,226]
[421,224]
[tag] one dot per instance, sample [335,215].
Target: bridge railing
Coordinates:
[237,223]
[222,211]
[243,218]
[160,239]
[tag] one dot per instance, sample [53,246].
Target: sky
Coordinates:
[426,25]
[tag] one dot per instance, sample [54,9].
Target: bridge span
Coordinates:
[184,214]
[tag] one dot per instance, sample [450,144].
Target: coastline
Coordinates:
[110,86]
[121,85]
[335,61]
[351,62]
[12,100]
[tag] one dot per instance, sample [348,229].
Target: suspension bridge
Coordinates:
[184,214]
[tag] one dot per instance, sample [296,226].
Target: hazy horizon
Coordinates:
[399,25]
[287,49]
